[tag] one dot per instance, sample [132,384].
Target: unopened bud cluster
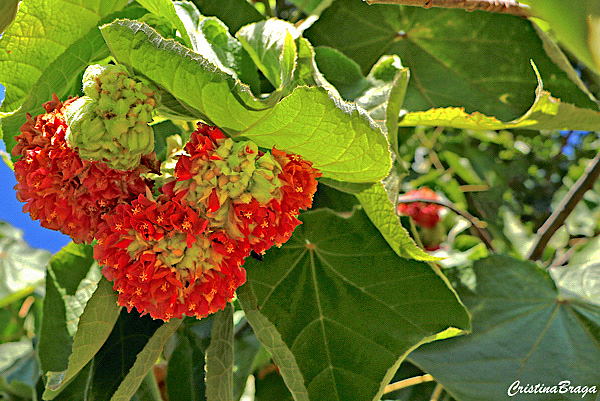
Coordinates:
[110,123]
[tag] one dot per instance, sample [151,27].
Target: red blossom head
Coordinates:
[164,263]
[424,214]
[182,253]
[60,189]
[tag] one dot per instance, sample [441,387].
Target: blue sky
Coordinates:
[11,210]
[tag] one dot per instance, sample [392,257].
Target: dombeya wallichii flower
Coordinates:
[60,189]
[110,123]
[426,215]
[182,252]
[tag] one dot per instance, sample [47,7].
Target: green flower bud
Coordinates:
[110,123]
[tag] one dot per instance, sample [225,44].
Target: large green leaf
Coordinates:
[72,278]
[62,76]
[523,330]
[41,32]
[346,306]
[336,136]
[456,58]
[219,357]
[95,325]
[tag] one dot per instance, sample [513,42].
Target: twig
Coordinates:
[407,383]
[564,209]
[495,6]
[477,224]
[564,258]
[437,392]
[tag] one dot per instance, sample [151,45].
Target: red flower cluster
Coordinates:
[182,253]
[60,189]
[424,214]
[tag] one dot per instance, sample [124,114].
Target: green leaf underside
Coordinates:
[145,359]
[337,137]
[270,337]
[40,33]
[95,325]
[219,357]
[380,210]
[71,279]
[271,45]
[186,370]
[62,76]
[166,10]
[337,286]
[455,58]
[522,330]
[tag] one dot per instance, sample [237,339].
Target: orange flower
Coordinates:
[60,189]
[182,253]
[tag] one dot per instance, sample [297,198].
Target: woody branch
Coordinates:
[496,6]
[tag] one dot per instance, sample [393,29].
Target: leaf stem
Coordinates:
[495,6]
[564,208]
[407,383]
[477,224]
[437,392]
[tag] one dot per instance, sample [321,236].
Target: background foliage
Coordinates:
[382,98]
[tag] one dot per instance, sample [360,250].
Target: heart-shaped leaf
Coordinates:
[336,286]
[524,333]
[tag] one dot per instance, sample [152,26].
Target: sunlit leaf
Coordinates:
[547,113]
[41,32]
[336,136]
[380,210]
